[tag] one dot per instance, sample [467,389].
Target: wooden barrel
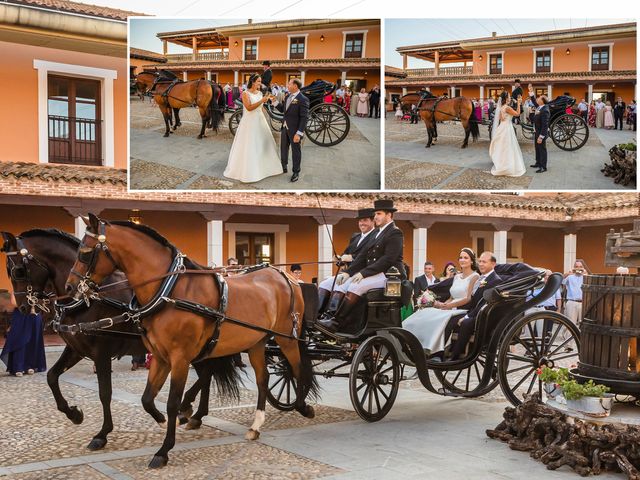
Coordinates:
[610,331]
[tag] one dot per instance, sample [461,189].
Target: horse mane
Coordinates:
[52,232]
[150,232]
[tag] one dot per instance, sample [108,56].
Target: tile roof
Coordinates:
[54,172]
[616,75]
[146,55]
[320,62]
[78,8]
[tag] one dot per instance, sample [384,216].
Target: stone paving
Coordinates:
[423,436]
[409,165]
[185,163]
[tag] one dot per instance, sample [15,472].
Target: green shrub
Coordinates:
[550,375]
[573,390]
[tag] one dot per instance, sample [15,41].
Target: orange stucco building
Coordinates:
[589,62]
[65,83]
[339,51]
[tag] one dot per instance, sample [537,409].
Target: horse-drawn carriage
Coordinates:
[328,124]
[567,130]
[511,341]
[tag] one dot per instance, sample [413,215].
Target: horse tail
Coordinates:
[216,114]
[473,123]
[225,376]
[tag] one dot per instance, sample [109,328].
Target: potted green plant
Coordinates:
[589,398]
[552,380]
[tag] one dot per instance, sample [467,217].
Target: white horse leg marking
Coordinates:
[258,421]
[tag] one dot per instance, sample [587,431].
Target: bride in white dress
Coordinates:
[504,149]
[254,153]
[429,324]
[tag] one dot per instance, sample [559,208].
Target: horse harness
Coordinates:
[433,109]
[19,271]
[136,313]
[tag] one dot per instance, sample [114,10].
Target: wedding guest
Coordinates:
[23,350]
[599,113]
[478,109]
[296,271]
[415,114]
[363,103]
[591,119]
[573,281]
[347,100]
[608,116]
[424,281]
[399,113]
[618,112]
[485,109]
[340,95]
[449,271]
[374,102]
[328,98]
[354,103]
[583,109]
[228,91]
[633,114]
[629,121]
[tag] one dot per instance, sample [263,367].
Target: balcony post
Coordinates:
[194,48]
[235,78]
[550,92]
[344,78]
[404,61]
[209,75]
[302,76]
[185,76]
[164,47]
[404,91]
[452,93]
[437,63]
[590,95]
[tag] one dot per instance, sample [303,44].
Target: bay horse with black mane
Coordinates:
[38,264]
[171,94]
[434,109]
[189,313]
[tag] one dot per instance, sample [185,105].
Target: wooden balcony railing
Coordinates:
[200,57]
[443,71]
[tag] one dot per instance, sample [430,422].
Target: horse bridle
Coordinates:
[20,271]
[89,256]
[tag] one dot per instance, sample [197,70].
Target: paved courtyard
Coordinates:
[183,162]
[424,436]
[409,165]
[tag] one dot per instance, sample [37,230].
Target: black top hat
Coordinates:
[267,63]
[366,213]
[517,80]
[385,205]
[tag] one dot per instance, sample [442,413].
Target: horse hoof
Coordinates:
[193,424]
[252,434]
[309,412]
[75,415]
[182,419]
[163,424]
[200,137]
[166,135]
[158,461]
[97,444]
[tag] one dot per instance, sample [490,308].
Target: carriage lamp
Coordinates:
[393,288]
[135,216]
[322,38]
[568,52]
[24,252]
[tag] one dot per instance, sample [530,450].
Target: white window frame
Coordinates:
[364,42]
[535,50]
[610,45]
[104,76]
[279,231]
[489,61]
[306,44]
[244,51]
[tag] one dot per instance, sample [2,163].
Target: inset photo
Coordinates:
[509,104]
[253,105]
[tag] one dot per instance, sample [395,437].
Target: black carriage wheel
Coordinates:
[569,132]
[528,132]
[374,378]
[275,120]
[536,340]
[468,381]
[281,393]
[328,125]
[234,121]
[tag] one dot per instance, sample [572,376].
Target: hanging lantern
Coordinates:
[393,287]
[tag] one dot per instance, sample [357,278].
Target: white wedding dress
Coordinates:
[429,324]
[504,149]
[254,153]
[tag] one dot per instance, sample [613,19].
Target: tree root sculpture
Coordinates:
[557,439]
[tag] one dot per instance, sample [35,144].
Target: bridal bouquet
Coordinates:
[427,299]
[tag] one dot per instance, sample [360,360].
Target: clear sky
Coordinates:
[142,33]
[403,32]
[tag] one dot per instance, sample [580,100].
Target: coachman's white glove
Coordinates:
[341,278]
[346,258]
[357,278]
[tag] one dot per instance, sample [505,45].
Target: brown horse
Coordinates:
[172,94]
[264,299]
[437,109]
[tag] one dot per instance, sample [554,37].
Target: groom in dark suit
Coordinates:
[541,128]
[295,109]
